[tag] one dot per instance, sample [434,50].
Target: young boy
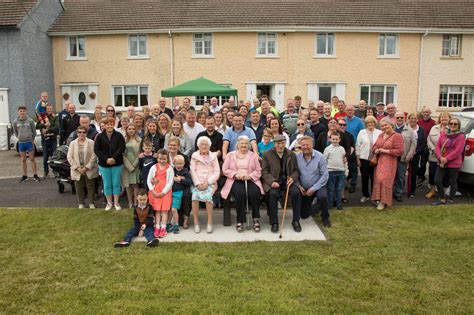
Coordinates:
[143,216]
[25,131]
[182,180]
[266,143]
[336,161]
[145,162]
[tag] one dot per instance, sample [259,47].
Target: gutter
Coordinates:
[420,69]
[171,58]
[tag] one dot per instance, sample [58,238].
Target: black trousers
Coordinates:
[452,174]
[241,196]
[423,160]
[367,174]
[307,207]
[433,168]
[185,209]
[353,171]
[415,168]
[273,198]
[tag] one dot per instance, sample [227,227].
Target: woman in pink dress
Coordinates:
[388,147]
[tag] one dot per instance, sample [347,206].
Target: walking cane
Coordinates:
[247,209]
[284,211]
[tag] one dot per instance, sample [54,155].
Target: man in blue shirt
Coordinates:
[231,134]
[312,180]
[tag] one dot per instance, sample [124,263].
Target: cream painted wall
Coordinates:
[235,62]
[438,70]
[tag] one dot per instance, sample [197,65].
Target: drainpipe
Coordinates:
[420,76]
[171,58]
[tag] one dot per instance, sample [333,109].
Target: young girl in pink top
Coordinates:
[160,182]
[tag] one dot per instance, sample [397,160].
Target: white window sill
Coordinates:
[389,57]
[325,57]
[138,58]
[203,57]
[267,56]
[76,59]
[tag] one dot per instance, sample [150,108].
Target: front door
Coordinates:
[264,89]
[80,96]
[325,92]
[4,110]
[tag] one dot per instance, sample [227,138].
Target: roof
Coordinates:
[102,16]
[199,87]
[12,12]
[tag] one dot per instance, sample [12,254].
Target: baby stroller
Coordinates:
[61,168]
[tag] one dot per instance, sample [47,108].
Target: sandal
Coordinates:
[239,227]
[256,225]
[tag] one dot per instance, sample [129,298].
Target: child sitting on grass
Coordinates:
[143,215]
[182,180]
[160,183]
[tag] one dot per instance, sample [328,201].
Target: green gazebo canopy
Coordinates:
[199,87]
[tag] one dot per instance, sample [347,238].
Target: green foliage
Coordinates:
[405,260]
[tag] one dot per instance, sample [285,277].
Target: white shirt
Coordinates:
[193,132]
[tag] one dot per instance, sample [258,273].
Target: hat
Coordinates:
[380,103]
[279,138]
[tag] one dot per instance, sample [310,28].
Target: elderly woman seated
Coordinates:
[243,171]
[205,172]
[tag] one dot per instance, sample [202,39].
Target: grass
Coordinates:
[407,260]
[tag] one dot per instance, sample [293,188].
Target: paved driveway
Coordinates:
[45,193]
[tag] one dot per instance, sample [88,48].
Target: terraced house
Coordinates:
[412,53]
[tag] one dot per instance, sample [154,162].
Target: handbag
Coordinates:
[374,160]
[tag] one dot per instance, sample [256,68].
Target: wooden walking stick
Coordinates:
[284,211]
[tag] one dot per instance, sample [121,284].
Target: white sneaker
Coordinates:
[197,228]
[458,193]
[92,206]
[209,228]
[108,207]
[81,206]
[380,206]
[117,207]
[364,199]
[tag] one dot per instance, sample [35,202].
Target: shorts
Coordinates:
[177,198]
[25,147]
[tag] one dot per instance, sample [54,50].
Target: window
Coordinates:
[325,44]
[378,93]
[135,95]
[202,44]
[267,44]
[201,99]
[451,45]
[137,46]
[388,45]
[77,47]
[456,96]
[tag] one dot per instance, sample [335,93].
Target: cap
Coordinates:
[279,138]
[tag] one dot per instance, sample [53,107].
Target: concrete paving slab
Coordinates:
[226,234]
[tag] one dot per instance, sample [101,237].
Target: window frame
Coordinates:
[138,56]
[385,85]
[462,94]
[450,49]
[396,54]
[139,87]
[68,48]
[326,54]
[266,54]
[203,40]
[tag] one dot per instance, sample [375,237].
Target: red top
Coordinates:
[426,125]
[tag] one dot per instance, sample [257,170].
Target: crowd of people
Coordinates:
[170,161]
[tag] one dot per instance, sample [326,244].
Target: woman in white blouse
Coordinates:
[365,142]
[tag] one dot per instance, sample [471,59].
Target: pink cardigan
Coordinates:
[229,168]
[203,170]
[454,148]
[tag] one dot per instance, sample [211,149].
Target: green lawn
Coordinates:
[406,260]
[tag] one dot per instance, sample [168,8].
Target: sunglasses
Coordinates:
[342,125]
[453,124]
[300,124]
[79,132]
[399,117]
[110,110]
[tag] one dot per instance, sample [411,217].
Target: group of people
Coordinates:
[170,162]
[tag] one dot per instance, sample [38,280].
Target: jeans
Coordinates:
[307,207]
[399,178]
[335,186]
[133,232]
[241,196]
[112,178]
[273,198]
[353,171]
[452,174]
[49,146]
[89,184]
[367,174]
